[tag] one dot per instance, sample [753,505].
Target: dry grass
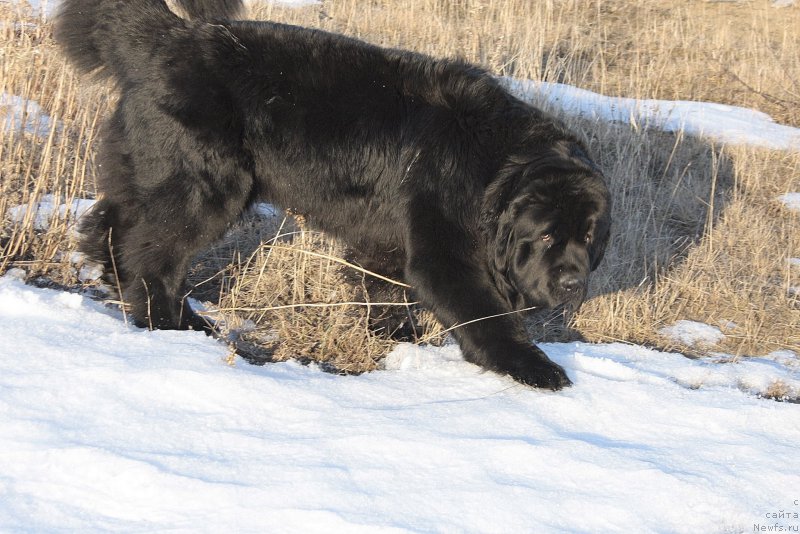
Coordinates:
[698,232]
[38,156]
[746,54]
[735,274]
[290,299]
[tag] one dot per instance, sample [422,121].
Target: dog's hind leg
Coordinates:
[176,222]
[156,290]
[94,236]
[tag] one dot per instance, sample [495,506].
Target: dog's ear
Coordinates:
[602,224]
[597,248]
[502,253]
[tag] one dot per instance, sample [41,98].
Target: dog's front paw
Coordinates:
[540,372]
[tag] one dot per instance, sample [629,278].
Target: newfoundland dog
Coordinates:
[427,168]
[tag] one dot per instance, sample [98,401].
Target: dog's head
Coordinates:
[551,231]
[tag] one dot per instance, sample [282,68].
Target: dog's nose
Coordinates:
[571,283]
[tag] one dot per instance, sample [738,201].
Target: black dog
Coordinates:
[427,168]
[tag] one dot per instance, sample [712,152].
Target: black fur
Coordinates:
[429,169]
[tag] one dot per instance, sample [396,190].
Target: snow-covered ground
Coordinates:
[106,427]
[47,208]
[289,3]
[45,8]
[17,113]
[791,201]
[720,123]
[48,8]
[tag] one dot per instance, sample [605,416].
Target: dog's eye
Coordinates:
[547,238]
[587,238]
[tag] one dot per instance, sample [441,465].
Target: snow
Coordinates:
[693,333]
[105,427]
[17,113]
[718,122]
[286,3]
[48,8]
[45,209]
[791,201]
[44,8]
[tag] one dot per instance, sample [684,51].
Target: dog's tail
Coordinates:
[103,35]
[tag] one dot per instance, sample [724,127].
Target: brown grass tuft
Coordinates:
[291,299]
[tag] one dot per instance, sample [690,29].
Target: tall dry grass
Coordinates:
[698,233]
[746,54]
[48,126]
